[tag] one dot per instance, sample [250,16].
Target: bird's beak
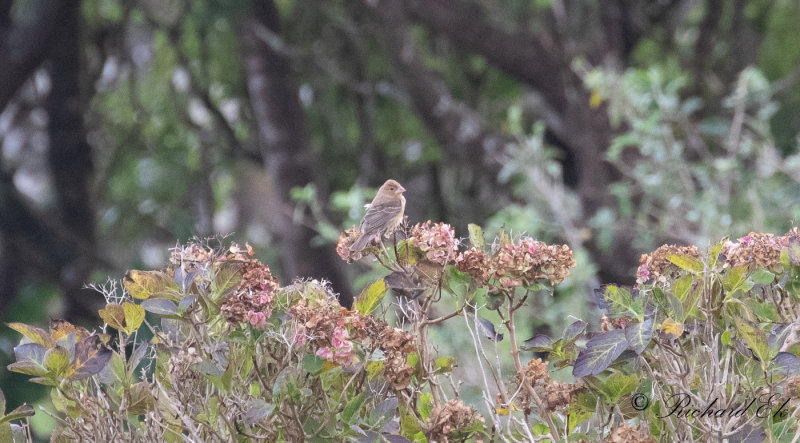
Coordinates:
[401,190]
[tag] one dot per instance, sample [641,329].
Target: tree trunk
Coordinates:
[286,150]
[70,161]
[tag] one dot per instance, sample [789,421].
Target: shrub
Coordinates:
[704,347]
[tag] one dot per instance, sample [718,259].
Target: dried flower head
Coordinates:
[536,372]
[760,249]
[625,433]
[793,233]
[437,240]
[792,387]
[609,324]
[191,257]
[559,395]
[656,265]
[474,262]
[527,261]
[254,296]
[346,239]
[447,419]
[333,331]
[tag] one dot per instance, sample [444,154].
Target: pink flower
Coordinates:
[344,357]
[436,240]
[257,319]
[299,337]
[339,337]
[325,353]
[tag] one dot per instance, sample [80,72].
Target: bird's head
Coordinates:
[394,188]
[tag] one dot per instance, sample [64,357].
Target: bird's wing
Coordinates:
[379,214]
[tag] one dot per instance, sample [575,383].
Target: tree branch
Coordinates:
[23,47]
[530,58]
[459,130]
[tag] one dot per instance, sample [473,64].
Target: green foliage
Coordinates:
[371,297]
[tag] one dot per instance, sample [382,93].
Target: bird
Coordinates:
[384,214]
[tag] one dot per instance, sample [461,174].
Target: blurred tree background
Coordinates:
[615,126]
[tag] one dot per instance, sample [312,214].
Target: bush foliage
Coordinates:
[214,348]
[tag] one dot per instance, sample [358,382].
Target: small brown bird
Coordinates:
[384,214]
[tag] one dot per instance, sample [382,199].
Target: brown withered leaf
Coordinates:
[147,284]
[61,328]
[114,315]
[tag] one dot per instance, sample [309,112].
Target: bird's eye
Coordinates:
[391,188]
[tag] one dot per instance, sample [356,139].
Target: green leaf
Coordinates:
[374,368]
[56,360]
[734,278]
[601,350]
[27,368]
[36,335]
[755,338]
[134,316]
[30,359]
[764,311]
[639,335]
[425,405]
[494,301]
[622,301]
[675,307]
[444,365]
[408,254]
[2,403]
[762,277]
[540,429]
[577,413]
[408,421]
[160,306]
[24,410]
[140,399]
[686,262]
[690,303]
[681,287]
[777,337]
[617,385]
[726,338]
[475,235]
[713,256]
[226,280]
[257,409]
[785,258]
[456,276]
[371,297]
[114,372]
[352,407]
[413,360]
[312,363]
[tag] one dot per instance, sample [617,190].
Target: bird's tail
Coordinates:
[360,243]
